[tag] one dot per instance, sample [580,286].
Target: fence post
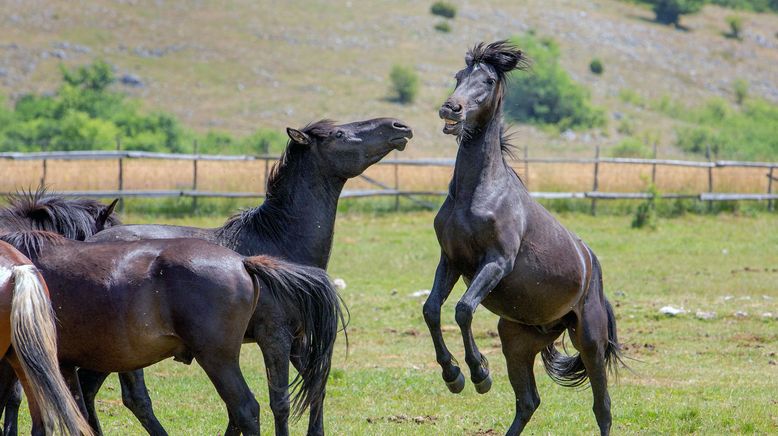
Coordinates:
[396,183]
[653,168]
[43,176]
[770,189]
[194,176]
[267,173]
[596,175]
[121,174]
[526,166]
[710,176]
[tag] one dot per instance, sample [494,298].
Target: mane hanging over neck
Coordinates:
[31,242]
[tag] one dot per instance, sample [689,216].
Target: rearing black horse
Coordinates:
[517,260]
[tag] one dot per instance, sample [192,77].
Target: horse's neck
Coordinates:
[298,218]
[479,159]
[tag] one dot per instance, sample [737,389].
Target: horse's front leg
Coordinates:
[445,279]
[485,280]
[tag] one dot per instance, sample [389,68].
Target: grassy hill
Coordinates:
[247,64]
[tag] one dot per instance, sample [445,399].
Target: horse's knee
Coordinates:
[464,314]
[247,416]
[431,312]
[280,407]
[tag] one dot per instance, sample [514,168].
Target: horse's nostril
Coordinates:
[399,125]
[456,108]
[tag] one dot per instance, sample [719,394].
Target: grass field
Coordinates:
[689,376]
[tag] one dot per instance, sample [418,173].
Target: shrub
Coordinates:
[443,27]
[548,95]
[626,126]
[670,11]
[443,9]
[405,83]
[740,87]
[645,214]
[596,66]
[631,97]
[735,23]
[631,147]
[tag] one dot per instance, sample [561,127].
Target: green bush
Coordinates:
[595,66]
[443,9]
[405,83]
[626,126]
[631,147]
[735,23]
[547,95]
[85,114]
[670,11]
[645,214]
[443,27]
[740,87]
[750,133]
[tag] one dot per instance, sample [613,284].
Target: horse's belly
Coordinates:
[533,303]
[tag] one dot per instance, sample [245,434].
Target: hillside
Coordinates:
[272,64]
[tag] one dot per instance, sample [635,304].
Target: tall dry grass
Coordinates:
[249,176]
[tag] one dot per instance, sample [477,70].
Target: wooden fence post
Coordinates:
[194,176]
[653,168]
[121,174]
[267,174]
[526,166]
[596,175]
[396,183]
[43,176]
[710,176]
[770,189]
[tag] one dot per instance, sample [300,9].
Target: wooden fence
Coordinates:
[394,188]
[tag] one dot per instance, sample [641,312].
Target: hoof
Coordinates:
[457,385]
[484,385]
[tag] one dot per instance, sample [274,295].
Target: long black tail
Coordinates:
[307,291]
[570,370]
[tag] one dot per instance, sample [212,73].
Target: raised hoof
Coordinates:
[484,385]
[457,385]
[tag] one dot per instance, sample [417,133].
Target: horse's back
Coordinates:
[136,232]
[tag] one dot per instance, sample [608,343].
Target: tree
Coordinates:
[405,83]
[670,11]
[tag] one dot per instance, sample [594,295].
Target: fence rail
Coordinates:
[387,189]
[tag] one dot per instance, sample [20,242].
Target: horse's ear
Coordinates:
[298,136]
[508,57]
[105,214]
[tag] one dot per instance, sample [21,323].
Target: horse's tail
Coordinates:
[308,293]
[570,370]
[34,339]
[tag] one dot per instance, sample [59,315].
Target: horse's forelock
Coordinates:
[502,55]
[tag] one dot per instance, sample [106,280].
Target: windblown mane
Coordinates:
[41,210]
[264,218]
[503,56]
[31,242]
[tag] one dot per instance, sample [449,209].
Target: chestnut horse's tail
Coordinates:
[570,370]
[34,340]
[308,293]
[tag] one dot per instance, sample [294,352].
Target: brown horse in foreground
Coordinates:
[28,341]
[127,305]
[517,260]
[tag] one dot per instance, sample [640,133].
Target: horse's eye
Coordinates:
[339,134]
[490,81]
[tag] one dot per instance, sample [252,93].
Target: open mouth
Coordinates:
[451,126]
[399,143]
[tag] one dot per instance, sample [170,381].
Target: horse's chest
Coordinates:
[465,235]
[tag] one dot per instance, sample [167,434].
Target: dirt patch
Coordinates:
[402,418]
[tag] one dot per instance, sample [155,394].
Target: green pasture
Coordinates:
[686,375]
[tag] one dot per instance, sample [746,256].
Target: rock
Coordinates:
[767,315]
[421,293]
[131,80]
[705,315]
[339,284]
[741,314]
[672,311]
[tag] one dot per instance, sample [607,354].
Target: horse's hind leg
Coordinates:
[10,398]
[520,345]
[590,337]
[91,381]
[226,376]
[136,397]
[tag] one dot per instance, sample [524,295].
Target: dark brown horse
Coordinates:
[126,305]
[295,222]
[74,218]
[28,341]
[516,259]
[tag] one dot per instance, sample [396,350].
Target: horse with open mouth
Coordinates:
[517,260]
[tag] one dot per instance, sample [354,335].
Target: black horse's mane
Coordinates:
[31,242]
[40,210]
[265,218]
[503,56]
